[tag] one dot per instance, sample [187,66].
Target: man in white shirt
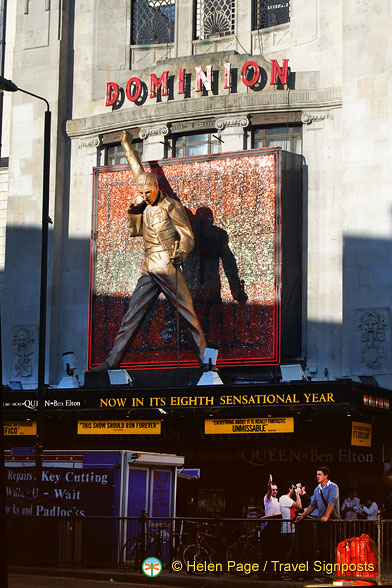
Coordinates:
[287,502]
[271,528]
[271,502]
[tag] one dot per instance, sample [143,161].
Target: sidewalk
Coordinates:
[168,579]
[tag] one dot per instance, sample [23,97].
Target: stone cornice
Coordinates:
[236,105]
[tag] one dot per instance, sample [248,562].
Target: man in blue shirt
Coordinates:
[325,499]
[324,505]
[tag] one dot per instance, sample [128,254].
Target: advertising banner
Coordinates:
[361,434]
[241,426]
[233,273]
[58,492]
[119,427]
[20,428]
[161,496]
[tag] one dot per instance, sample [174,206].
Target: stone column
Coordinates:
[231,132]
[154,141]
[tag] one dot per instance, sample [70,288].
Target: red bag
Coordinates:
[357,557]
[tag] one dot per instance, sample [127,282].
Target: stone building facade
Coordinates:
[334,108]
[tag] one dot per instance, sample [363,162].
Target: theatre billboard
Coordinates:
[234,204]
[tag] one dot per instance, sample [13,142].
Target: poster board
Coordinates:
[234,272]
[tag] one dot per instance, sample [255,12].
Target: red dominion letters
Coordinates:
[250,75]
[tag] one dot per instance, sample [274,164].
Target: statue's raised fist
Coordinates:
[126,137]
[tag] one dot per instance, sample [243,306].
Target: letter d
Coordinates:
[111,93]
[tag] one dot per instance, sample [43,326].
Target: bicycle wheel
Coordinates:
[130,553]
[242,553]
[196,559]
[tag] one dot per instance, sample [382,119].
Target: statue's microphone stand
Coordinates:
[175,251]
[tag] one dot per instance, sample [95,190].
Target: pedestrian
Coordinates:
[270,528]
[325,498]
[287,502]
[325,504]
[271,502]
[305,498]
[349,512]
[370,509]
[304,534]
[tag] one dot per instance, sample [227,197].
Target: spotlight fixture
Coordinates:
[210,376]
[292,373]
[69,380]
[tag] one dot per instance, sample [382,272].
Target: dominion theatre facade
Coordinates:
[269,121]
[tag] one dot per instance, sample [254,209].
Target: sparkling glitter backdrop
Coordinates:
[233,202]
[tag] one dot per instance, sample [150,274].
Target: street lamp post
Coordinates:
[9,86]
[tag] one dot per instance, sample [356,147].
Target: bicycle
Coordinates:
[197,556]
[155,543]
[245,551]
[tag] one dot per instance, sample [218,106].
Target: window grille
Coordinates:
[269,13]
[214,18]
[152,21]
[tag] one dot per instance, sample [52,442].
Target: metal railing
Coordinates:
[337,549]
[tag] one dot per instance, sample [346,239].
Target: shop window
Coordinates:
[196,144]
[214,18]
[289,137]
[114,154]
[270,13]
[152,21]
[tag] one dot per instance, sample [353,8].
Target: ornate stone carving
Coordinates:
[239,121]
[162,129]
[307,118]
[373,341]
[88,143]
[24,353]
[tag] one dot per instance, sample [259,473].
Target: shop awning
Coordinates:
[189,474]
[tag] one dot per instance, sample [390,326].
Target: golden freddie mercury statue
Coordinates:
[168,239]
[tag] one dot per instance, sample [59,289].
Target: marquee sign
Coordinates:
[233,273]
[278,397]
